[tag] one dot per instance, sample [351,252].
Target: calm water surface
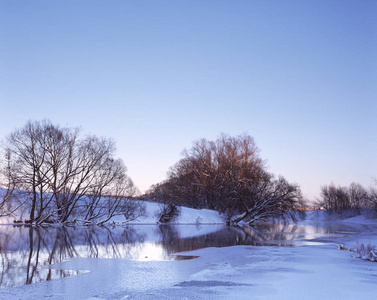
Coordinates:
[27,252]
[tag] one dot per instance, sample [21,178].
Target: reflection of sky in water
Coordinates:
[303,232]
[141,252]
[26,252]
[151,251]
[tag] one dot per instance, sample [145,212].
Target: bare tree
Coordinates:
[229,176]
[8,184]
[372,196]
[58,168]
[209,171]
[111,195]
[358,197]
[263,199]
[23,147]
[84,169]
[339,199]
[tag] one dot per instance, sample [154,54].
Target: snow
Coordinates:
[315,270]
[187,216]
[360,220]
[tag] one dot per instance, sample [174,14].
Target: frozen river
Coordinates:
[28,252]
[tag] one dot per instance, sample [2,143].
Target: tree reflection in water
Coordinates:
[226,236]
[27,252]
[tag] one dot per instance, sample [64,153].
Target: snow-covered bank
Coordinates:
[186,216]
[151,216]
[322,215]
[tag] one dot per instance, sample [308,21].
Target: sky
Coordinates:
[300,77]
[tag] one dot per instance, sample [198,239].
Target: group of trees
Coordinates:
[229,176]
[55,174]
[353,198]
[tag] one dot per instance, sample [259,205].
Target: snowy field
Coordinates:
[315,270]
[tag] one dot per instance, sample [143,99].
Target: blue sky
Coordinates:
[298,76]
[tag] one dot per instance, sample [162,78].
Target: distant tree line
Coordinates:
[55,174]
[353,198]
[227,175]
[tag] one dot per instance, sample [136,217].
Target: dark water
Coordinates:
[27,252]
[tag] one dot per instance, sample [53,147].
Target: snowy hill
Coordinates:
[186,216]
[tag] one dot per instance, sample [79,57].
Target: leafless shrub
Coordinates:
[366,252]
[133,209]
[168,212]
